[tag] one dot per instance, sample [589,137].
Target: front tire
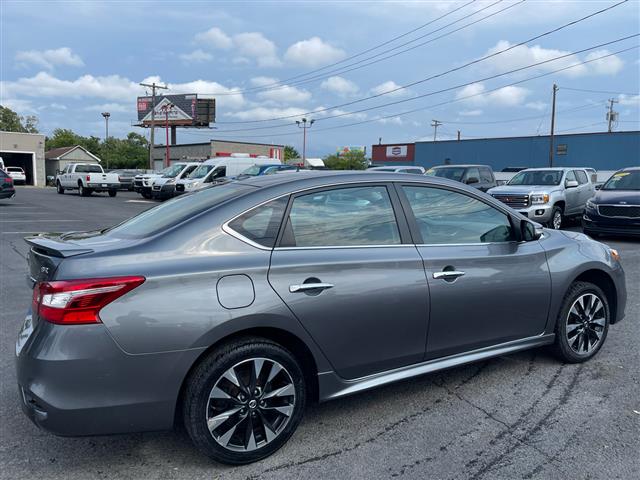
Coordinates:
[244,401]
[583,323]
[556,218]
[59,188]
[112,193]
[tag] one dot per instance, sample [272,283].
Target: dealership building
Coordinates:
[602,151]
[24,150]
[212,149]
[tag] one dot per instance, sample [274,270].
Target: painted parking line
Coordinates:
[139,201]
[45,221]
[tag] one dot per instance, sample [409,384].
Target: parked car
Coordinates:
[477,176]
[17,174]
[87,178]
[143,183]
[126,176]
[216,169]
[266,169]
[164,187]
[7,189]
[231,308]
[547,195]
[399,169]
[615,209]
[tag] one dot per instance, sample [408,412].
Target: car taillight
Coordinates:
[88,177]
[8,180]
[69,302]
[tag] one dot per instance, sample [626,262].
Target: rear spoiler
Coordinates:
[54,247]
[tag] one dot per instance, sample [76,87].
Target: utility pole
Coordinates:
[611,115]
[106,116]
[166,109]
[553,124]
[458,135]
[153,86]
[435,124]
[304,126]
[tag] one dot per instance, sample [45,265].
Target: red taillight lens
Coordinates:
[79,301]
[88,177]
[8,180]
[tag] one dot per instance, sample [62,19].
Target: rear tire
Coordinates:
[112,193]
[83,191]
[582,324]
[244,401]
[556,218]
[59,188]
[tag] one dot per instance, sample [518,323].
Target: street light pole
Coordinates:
[106,116]
[304,126]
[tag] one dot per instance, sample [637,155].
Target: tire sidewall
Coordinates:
[207,374]
[564,349]
[556,211]
[59,188]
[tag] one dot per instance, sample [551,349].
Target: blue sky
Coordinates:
[68,61]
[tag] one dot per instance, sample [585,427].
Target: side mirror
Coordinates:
[571,184]
[598,186]
[531,231]
[471,180]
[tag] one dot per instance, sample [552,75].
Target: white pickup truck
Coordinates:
[87,178]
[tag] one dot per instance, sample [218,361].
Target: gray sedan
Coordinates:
[229,309]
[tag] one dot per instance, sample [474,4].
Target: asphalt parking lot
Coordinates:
[519,416]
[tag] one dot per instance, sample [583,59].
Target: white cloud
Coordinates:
[388,86]
[524,55]
[633,100]
[257,46]
[263,113]
[111,108]
[346,114]
[505,97]
[313,52]
[285,94]
[197,56]
[18,105]
[50,58]
[537,105]
[470,113]
[604,66]
[111,87]
[214,38]
[392,121]
[340,86]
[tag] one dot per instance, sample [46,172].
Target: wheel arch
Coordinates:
[603,280]
[286,339]
[561,204]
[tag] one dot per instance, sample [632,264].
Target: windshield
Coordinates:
[173,170]
[629,180]
[251,171]
[169,214]
[537,177]
[453,173]
[200,172]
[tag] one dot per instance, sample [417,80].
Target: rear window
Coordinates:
[14,169]
[88,169]
[175,211]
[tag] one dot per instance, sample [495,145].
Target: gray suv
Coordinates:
[548,195]
[229,309]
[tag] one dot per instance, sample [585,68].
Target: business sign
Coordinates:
[353,148]
[176,110]
[397,151]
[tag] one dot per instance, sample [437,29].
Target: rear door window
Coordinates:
[261,224]
[485,175]
[581,176]
[354,216]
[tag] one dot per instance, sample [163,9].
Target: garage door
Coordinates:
[22,160]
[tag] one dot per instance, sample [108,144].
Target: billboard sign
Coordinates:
[353,148]
[397,151]
[185,110]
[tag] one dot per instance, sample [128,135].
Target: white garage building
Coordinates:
[25,150]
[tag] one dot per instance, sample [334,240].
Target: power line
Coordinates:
[582,126]
[609,92]
[351,57]
[423,80]
[466,97]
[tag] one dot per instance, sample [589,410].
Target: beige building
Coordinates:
[25,150]
[214,148]
[58,158]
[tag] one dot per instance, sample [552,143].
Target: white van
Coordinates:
[215,168]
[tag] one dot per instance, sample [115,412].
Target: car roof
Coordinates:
[558,169]
[468,165]
[630,169]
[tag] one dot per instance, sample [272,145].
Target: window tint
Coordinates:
[570,176]
[171,213]
[472,173]
[218,172]
[581,176]
[261,224]
[485,175]
[188,170]
[342,217]
[413,170]
[88,169]
[446,217]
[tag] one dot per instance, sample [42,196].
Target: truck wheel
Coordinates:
[84,191]
[59,188]
[556,218]
[145,195]
[112,193]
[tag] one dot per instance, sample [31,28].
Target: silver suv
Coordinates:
[547,195]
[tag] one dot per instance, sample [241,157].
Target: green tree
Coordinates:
[348,161]
[10,121]
[290,153]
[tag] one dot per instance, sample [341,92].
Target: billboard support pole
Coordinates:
[153,87]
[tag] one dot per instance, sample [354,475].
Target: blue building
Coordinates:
[602,151]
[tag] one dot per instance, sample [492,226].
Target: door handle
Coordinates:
[448,274]
[304,287]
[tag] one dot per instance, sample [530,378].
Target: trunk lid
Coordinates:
[47,252]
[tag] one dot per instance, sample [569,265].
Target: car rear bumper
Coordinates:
[75,380]
[7,194]
[103,187]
